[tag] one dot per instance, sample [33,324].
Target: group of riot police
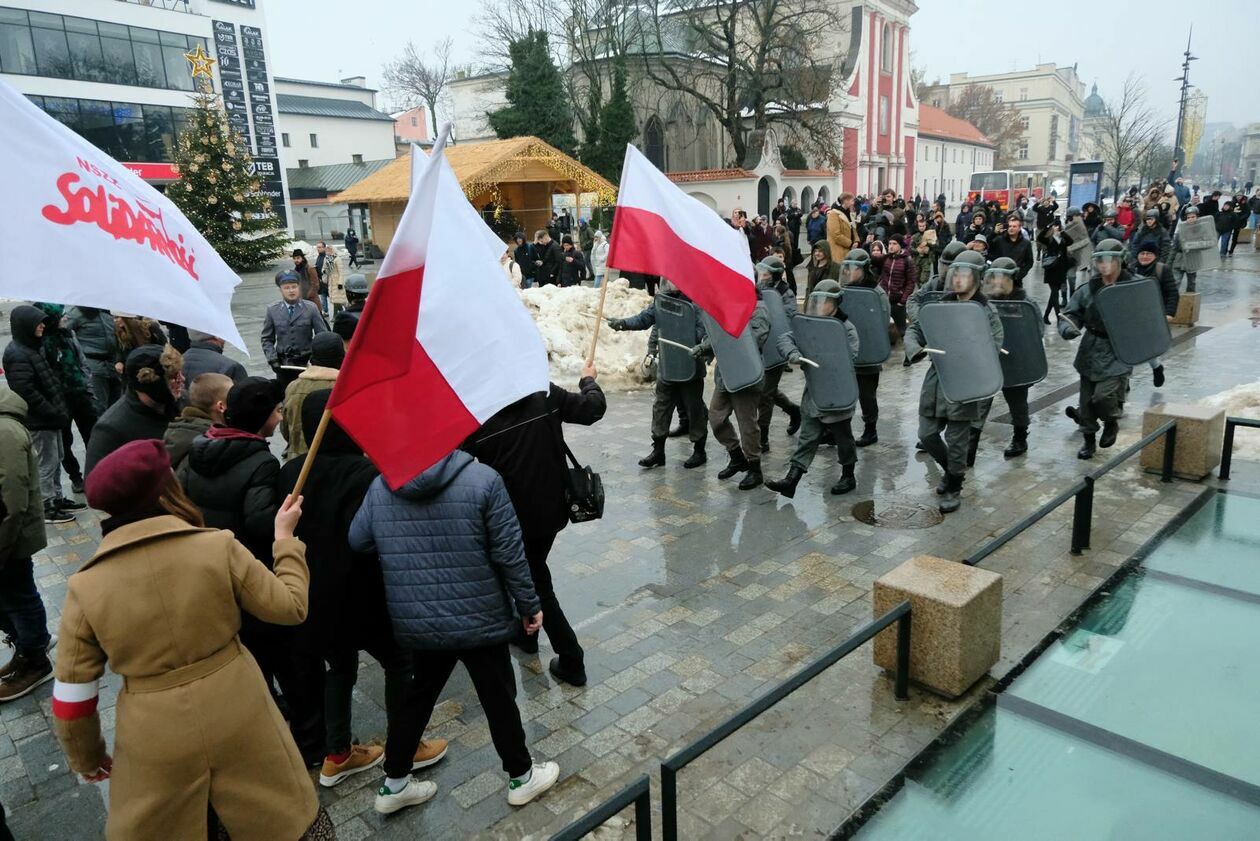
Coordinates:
[972,321]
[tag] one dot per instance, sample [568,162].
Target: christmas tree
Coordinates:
[218,191]
[536,101]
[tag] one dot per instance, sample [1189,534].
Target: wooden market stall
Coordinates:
[520,175]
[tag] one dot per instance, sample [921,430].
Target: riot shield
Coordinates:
[868,312]
[1133,313]
[739,360]
[1079,235]
[1024,362]
[968,369]
[676,322]
[1199,234]
[780,323]
[824,341]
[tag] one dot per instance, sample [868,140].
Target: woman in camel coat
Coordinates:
[841,232]
[161,602]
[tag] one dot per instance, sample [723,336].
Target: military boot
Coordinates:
[847,481]
[1073,414]
[1088,449]
[698,456]
[656,458]
[753,477]
[1019,443]
[868,435]
[794,418]
[765,439]
[737,464]
[973,444]
[787,485]
[952,498]
[1110,430]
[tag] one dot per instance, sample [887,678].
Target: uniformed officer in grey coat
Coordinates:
[687,396]
[937,414]
[770,275]
[824,302]
[288,328]
[743,449]
[1104,378]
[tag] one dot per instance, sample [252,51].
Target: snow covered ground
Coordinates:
[566,319]
[1241,401]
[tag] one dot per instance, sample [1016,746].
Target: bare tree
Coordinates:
[1128,131]
[997,120]
[417,79]
[753,64]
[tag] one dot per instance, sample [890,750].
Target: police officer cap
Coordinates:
[356,284]
[1152,214]
[287,276]
[1004,265]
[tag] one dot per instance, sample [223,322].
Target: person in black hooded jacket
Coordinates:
[346,610]
[31,378]
[155,382]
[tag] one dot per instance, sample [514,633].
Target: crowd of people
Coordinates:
[236,607]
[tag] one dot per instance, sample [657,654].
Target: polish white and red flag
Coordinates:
[96,235]
[444,342]
[660,230]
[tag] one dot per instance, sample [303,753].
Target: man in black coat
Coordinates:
[346,610]
[31,378]
[547,259]
[155,381]
[1015,245]
[205,356]
[524,443]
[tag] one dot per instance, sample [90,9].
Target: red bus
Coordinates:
[1005,186]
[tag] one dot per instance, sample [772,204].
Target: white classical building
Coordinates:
[950,149]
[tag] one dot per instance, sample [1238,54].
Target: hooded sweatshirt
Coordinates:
[29,374]
[451,555]
[829,270]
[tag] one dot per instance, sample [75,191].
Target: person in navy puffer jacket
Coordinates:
[456,581]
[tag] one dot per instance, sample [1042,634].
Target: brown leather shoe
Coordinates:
[429,753]
[361,758]
[25,674]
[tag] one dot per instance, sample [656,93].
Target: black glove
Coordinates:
[697,351]
[617,324]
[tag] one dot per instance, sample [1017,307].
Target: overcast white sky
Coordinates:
[326,40]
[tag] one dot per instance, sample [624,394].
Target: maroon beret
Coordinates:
[130,479]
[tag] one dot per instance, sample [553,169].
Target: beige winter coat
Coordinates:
[841,234]
[161,602]
[314,378]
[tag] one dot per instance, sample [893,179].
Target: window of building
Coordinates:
[358,159]
[413,122]
[1022,154]
[973,158]
[314,140]
[998,95]
[127,131]
[886,52]
[1023,94]
[303,163]
[654,142]
[955,155]
[883,115]
[68,47]
[1023,123]
[284,139]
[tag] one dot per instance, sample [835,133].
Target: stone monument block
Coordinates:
[1187,309]
[1200,434]
[956,622]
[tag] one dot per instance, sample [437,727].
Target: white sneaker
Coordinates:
[413,794]
[543,778]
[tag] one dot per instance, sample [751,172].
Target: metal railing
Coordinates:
[1083,492]
[671,766]
[1227,449]
[638,793]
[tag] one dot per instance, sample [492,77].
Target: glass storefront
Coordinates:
[126,131]
[65,47]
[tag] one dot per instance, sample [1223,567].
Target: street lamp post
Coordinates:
[1179,151]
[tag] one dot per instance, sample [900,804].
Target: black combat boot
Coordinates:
[794,417]
[753,477]
[765,439]
[942,487]
[737,464]
[697,457]
[1072,413]
[847,481]
[973,444]
[1110,430]
[787,485]
[1088,449]
[952,498]
[656,458]
[1019,443]
[868,435]
[1157,374]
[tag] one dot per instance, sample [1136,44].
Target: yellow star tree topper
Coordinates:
[201,62]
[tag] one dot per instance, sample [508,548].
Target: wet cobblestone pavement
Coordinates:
[692,598]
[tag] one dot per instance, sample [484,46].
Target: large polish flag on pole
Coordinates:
[660,230]
[444,341]
[101,236]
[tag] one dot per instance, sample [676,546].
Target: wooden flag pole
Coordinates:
[599,320]
[311,451]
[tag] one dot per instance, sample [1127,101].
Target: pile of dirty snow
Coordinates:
[1241,401]
[566,319]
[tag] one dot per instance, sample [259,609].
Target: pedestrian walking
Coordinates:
[599,258]
[352,248]
[523,254]
[308,280]
[456,579]
[1224,227]
[160,603]
[572,263]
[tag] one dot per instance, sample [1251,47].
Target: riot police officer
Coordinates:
[823,302]
[999,285]
[687,393]
[347,318]
[938,414]
[771,273]
[856,271]
[934,288]
[744,449]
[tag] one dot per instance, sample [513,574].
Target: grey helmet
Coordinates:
[1111,213]
[773,265]
[1072,212]
[356,284]
[1109,249]
[969,261]
[1192,210]
[824,291]
[1151,213]
[857,258]
[999,277]
[949,254]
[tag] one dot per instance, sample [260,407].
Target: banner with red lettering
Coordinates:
[92,233]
